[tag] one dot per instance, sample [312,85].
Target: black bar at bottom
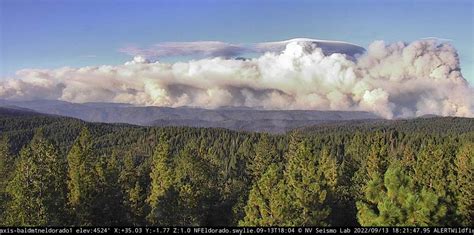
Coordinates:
[237,230]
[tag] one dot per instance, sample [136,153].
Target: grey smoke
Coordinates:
[391,80]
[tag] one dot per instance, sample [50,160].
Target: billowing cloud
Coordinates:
[328,47]
[392,80]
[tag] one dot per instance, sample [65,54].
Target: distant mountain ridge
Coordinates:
[234,118]
[16,111]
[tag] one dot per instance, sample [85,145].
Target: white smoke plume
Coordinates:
[392,80]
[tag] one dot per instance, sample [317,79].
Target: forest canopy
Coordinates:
[63,171]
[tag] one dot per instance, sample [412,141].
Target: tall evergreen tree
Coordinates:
[195,185]
[108,204]
[25,207]
[305,178]
[83,179]
[408,159]
[434,170]
[265,154]
[6,166]
[161,180]
[134,191]
[267,203]
[371,167]
[37,189]
[357,148]
[396,201]
[464,164]
[327,166]
[430,169]
[375,162]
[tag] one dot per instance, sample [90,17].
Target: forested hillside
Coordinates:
[233,118]
[63,171]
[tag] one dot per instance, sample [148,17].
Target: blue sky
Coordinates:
[56,33]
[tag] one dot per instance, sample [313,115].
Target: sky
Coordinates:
[397,59]
[56,33]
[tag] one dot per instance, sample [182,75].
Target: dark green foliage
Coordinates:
[83,180]
[132,182]
[6,170]
[265,154]
[195,185]
[375,173]
[37,188]
[266,205]
[162,180]
[394,200]
[464,194]
[308,180]
[109,201]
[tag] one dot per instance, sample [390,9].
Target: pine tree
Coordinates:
[294,141]
[161,180]
[327,166]
[108,204]
[83,179]
[337,184]
[266,205]
[434,170]
[374,164]
[134,192]
[308,181]
[25,207]
[342,200]
[408,159]
[396,201]
[357,148]
[6,166]
[265,154]
[6,161]
[195,185]
[371,167]
[464,164]
[431,169]
[37,189]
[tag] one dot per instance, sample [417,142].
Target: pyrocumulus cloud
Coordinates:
[392,80]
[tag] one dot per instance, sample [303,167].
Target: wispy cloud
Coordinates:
[438,39]
[197,48]
[204,49]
